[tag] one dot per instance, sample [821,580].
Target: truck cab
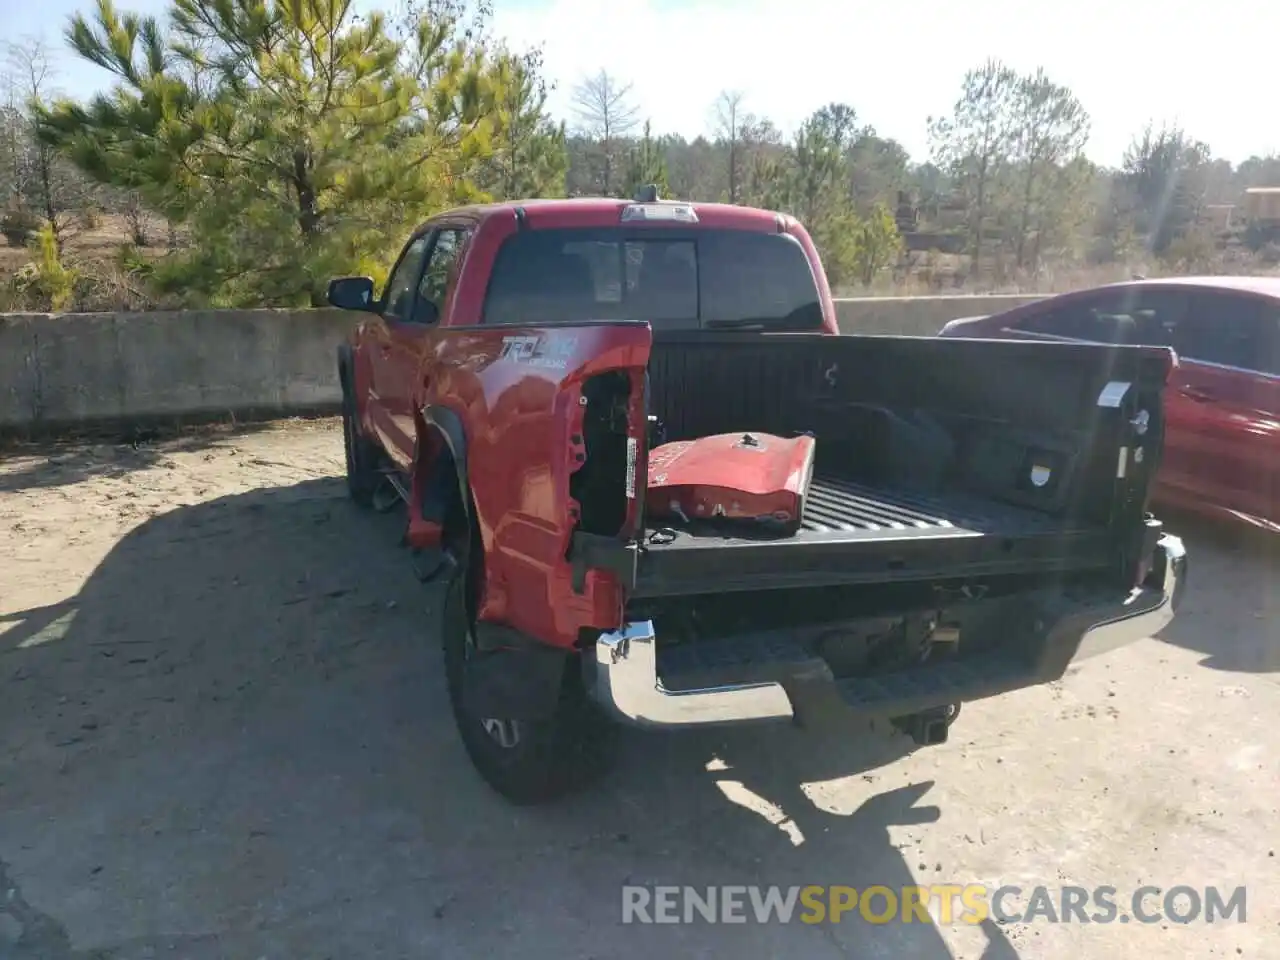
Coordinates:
[537,262]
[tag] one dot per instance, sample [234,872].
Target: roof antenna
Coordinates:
[648,193]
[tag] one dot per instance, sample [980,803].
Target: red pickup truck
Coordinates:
[976,517]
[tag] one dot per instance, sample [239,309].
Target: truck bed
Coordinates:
[853,533]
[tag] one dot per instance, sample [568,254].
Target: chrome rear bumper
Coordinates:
[1148,609]
[625,677]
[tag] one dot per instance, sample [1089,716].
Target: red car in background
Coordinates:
[1222,441]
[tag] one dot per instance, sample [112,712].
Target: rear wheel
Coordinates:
[361,453]
[526,761]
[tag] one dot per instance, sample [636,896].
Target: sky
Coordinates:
[1209,66]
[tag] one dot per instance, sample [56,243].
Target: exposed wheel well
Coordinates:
[440,459]
[440,475]
[456,518]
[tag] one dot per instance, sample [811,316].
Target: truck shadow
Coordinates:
[1230,613]
[109,451]
[38,936]
[234,741]
[808,808]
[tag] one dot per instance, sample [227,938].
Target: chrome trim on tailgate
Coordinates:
[626,679]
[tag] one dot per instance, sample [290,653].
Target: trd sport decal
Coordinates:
[537,350]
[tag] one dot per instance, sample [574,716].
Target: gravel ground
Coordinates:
[223,734]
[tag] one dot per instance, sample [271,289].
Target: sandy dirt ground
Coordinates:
[224,734]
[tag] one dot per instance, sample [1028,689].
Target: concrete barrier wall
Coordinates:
[917,316]
[59,369]
[64,369]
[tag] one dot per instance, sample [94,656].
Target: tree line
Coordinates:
[1007,183]
[277,143]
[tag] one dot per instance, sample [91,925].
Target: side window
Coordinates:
[1139,315]
[1072,320]
[398,299]
[1126,316]
[1229,329]
[435,281]
[1270,362]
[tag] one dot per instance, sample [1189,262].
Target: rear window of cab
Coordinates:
[673,279]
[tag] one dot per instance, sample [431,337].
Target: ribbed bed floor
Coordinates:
[843,510]
[841,506]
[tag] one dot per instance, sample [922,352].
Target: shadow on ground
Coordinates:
[112,451]
[1236,628]
[234,742]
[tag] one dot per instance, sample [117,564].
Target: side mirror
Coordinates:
[351,293]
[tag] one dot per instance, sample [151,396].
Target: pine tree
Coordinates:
[530,157]
[877,243]
[646,165]
[294,139]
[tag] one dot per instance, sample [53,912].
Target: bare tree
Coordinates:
[605,114]
[41,181]
[13,142]
[728,129]
[135,218]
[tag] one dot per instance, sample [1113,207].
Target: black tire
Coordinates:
[361,453]
[547,758]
